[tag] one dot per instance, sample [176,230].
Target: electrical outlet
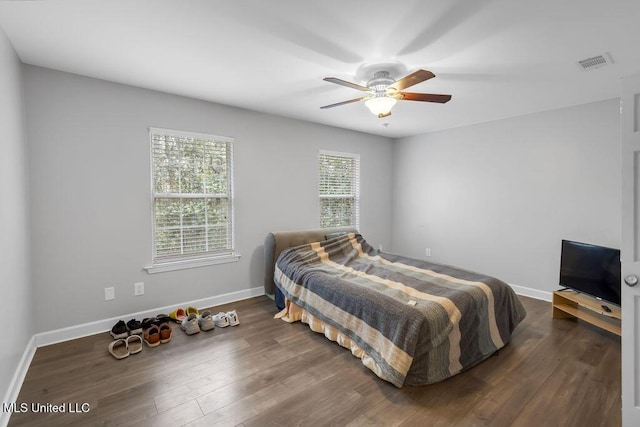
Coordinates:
[109,293]
[380,247]
[138,289]
[427,252]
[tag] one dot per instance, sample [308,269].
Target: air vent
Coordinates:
[595,62]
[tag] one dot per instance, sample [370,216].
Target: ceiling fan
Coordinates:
[385,91]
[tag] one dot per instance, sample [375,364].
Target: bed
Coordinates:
[410,322]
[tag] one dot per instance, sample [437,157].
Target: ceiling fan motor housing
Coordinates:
[380,82]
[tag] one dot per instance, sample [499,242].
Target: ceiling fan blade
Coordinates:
[412,79]
[344,102]
[425,97]
[347,84]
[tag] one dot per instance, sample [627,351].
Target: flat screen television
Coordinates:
[591,269]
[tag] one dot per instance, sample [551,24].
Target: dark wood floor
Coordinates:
[267,372]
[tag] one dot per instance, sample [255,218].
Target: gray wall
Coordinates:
[499,197]
[90,192]
[15,286]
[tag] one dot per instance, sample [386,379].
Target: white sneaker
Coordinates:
[220,320]
[190,325]
[232,317]
[205,321]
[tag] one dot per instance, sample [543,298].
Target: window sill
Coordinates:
[191,263]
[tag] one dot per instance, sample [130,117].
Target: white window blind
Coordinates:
[192,191]
[339,189]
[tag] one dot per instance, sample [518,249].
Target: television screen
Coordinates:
[591,269]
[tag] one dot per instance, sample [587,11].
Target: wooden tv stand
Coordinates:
[569,304]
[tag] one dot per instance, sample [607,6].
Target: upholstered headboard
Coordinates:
[277,241]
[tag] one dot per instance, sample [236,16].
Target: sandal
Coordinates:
[147,322]
[119,349]
[134,344]
[178,315]
[152,336]
[163,318]
[165,332]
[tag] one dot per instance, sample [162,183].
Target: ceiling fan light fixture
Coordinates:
[383,91]
[380,106]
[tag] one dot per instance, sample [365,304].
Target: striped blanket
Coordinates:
[418,322]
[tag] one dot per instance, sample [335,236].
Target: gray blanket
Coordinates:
[420,322]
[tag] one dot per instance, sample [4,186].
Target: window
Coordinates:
[339,189]
[192,190]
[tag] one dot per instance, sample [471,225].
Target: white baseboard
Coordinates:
[72,332]
[78,331]
[18,378]
[533,293]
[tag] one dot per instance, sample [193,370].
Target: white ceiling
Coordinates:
[498,58]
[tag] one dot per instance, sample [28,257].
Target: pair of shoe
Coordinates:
[230,318]
[157,330]
[121,348]
[122,330]
[196,322]
[180,314]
